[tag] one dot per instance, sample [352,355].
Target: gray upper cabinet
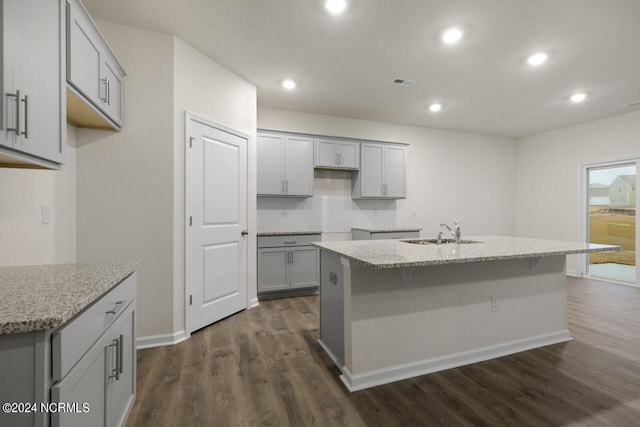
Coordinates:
[285,165]
[93,73]
[383,172]
[336,154]
[32,108]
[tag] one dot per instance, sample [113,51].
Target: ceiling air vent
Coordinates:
[403,82]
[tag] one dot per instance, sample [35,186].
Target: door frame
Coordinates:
[188,119]
[584,215]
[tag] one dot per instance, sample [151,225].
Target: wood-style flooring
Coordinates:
[264,367]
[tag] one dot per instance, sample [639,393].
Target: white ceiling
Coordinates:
[344,65]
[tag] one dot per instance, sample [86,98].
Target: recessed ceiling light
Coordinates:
[435,107]
[537,59]
[452,35]
[335,7]
[289,84]
[578,97]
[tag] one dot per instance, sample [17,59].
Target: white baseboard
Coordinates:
[160,340]
[254,303]
[574,273]
[355,382]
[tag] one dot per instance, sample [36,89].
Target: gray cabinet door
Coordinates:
[305,267]
[395,171]
[298,166]
[371,170]
[325,153]
[83,55]
[349,155]
[270,159]
[121,389]
[32,34]
[112,99]
[273,269]
[85,383]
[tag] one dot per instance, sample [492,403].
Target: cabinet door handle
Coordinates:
[26,117]
[291,257]
[116,372]
[289,242]
[117,308]
[283,188]
[16,95]
[106,89]
[121,355]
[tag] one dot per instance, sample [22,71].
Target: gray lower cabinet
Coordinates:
[86,369]
[287,265]
[104,376]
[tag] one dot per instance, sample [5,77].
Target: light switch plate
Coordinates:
[46,214]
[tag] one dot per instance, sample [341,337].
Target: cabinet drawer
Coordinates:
[287,240]
[72,340]
[395,235]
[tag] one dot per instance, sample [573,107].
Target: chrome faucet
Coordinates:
[455,233]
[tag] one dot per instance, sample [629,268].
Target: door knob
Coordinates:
[244,232]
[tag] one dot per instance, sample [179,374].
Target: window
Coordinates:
[611,219]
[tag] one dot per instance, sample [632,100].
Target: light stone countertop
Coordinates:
[380,254]
[287,233]
[39,297]
[386,229]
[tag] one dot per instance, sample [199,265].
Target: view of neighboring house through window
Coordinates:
[612,220]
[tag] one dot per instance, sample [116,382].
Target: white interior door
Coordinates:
[216,216]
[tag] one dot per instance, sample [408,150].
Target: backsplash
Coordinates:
[331,209]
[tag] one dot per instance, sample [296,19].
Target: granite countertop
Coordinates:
[386,229]
[39,297]
[288,232]
[382,254]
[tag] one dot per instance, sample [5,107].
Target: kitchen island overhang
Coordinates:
[391,310]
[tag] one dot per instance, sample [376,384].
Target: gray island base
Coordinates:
[396,310]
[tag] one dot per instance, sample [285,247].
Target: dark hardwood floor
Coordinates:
[264,367]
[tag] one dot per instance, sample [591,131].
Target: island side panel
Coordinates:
[332,323]
[442,316]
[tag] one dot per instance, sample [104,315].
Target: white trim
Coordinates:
[574,273]
[254,303]
[355,382]
[160,340]
[610,280]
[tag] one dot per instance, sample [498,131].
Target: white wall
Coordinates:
[125,179]
[451,175]
[131,184]
[548,182]
[204,88]
[24,240]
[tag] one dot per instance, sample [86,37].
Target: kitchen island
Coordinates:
[391,310]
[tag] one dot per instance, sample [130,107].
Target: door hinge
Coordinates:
[190,221]
[191,141]
[190,299]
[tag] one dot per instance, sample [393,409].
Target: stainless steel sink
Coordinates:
[435,241]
